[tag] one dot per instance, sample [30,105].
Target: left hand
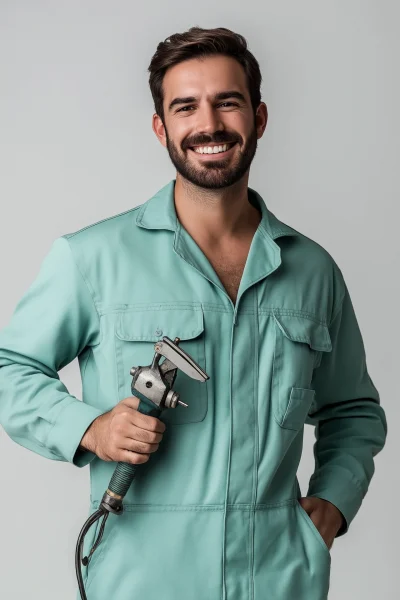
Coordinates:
[326,517]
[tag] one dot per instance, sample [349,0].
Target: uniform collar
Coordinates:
[264,256]
[159,213]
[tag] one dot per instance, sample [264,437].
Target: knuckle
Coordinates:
[153,423]
[114,437]
[143,447]
[146,448]
[145,435]
[139,447]
[117,428]
[154,437]
[161,425]
[135,446]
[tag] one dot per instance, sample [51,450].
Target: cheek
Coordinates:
[181,132]
[239,124]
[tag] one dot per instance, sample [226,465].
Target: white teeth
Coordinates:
[211,149]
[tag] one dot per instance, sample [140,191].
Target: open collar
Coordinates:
[264,255]
[159,213]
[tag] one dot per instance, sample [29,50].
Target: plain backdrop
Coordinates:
[76,146]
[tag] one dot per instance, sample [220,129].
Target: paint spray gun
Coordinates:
[153,386]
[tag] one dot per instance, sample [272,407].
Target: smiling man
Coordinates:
[230,130]
[217,512]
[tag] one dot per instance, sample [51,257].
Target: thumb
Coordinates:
[307,503]
[131,401]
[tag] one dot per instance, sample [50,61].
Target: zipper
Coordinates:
[234,309]
[228,470]
[235,319]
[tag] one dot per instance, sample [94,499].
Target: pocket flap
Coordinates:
[151,322]
[300,328]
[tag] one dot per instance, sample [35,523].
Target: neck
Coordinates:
[216,216]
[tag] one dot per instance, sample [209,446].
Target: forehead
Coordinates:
[204,77]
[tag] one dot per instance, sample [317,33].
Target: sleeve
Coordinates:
[350,424]
[52,324]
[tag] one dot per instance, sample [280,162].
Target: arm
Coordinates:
[350,424]
[53,323]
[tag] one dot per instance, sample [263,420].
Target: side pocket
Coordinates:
[299,341]
[314,529]
[300,401]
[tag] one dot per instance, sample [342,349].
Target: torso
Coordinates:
[229,268]
[229,260]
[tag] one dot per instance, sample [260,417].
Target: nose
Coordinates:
[208,120]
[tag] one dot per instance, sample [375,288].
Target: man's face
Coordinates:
[209,122]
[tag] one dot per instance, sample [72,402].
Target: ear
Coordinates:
[159,129]
[261,119]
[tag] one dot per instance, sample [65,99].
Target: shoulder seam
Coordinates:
[86,282]
[337,311]
[70,235]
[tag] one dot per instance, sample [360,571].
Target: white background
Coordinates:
[76,146]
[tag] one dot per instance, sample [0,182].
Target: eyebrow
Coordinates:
[219,96]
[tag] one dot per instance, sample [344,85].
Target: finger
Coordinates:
[131,401]
[137,446]
[146,421]
[134,458]
[307,503]
[136,432]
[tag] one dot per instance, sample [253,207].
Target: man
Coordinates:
[215,511]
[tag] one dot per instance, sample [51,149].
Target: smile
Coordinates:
[220,150]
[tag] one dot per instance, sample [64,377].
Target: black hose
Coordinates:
[101,512]
[120,482]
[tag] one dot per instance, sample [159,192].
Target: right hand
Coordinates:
[124,434]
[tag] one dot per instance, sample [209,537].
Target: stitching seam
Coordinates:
[87,285]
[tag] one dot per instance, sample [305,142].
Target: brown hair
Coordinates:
[198,42]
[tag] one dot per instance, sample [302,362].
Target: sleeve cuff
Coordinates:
[69,428]
[342,490]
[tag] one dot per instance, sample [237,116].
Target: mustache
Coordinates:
[216,140]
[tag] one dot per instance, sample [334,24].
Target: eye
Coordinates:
[180,109]
[191,106]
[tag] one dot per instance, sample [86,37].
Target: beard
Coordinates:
[214,174]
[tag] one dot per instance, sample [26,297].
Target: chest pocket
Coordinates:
[300,342]
[136,333]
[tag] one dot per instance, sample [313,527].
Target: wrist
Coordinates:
[88,441]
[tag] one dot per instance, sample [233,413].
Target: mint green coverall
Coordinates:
[214,513]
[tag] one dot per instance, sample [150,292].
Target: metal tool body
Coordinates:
[153,386]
